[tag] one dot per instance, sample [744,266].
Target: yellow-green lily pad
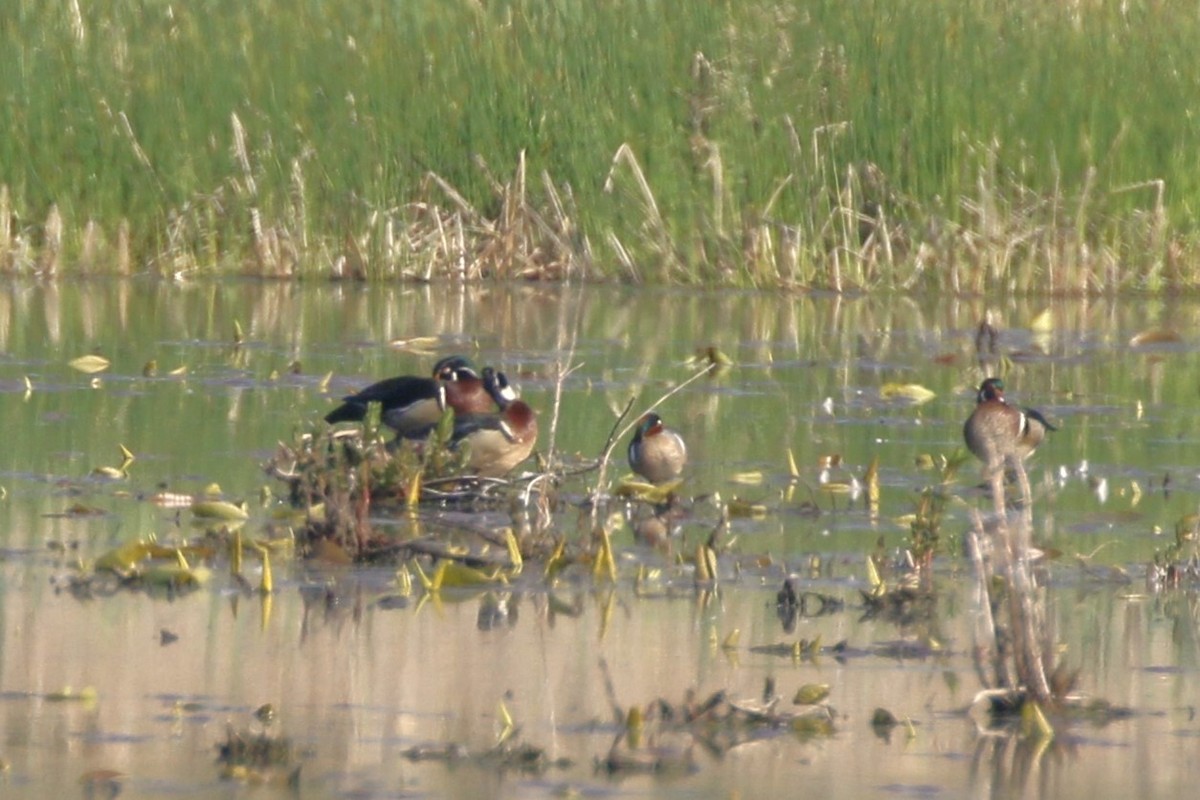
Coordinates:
[906,391]
[89,364]
[219,509]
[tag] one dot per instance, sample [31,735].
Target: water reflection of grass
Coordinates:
[830,144]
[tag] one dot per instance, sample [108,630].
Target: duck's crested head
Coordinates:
[454,368]
[649,425]
[497,385]
[991,389]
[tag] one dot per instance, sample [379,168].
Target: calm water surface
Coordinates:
[357,682]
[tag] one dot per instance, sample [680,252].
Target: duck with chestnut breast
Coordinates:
[997,431]
[497,442]
[656,452]
[412,405]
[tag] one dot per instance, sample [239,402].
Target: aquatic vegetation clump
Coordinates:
[338,481]
[1177,565]
[258,758]
[661,736]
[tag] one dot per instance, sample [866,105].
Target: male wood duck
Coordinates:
[498,442]
[656,452]
[412,405]
[997,431]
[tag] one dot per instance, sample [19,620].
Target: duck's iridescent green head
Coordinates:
[991,389]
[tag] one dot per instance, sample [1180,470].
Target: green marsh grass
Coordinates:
[847,144]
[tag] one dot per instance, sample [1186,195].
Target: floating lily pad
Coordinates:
[1155,336]
[1042,323]
[651,493]
[811,694]
[906,391]
[89,364]
[219,509]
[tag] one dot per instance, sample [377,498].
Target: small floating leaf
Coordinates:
[507,726]
[113,473]
[178,372]
[417,344]
[150,369]
[812,725]
[738,507]
[125,558]
[651,493]
[750,477]
[872,481]
[557,561]
[459,575]
[906,391]
[1042,323]
[219,509]
[89,364]
[235,552]
[268,582]
[706,564]
[873,578]
[412,494]
[635,721]
[811,694]
[514,551]
[86,694]
[604,566]
[1155,336]
[1034,723]
[176,576]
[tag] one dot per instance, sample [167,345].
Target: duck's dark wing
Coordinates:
[392,394]
[1033,413]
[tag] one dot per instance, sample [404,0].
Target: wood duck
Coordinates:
[412,405]
[498,442]
[997,431]
[656,452]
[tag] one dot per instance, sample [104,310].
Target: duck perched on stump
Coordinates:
[997,431]
[498,442]
[656,452]
[412,405]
